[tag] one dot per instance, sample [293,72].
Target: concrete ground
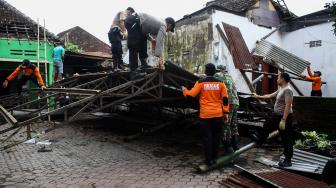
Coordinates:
[91,153]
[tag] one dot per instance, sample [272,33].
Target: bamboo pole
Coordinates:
[38,44]
[46,64]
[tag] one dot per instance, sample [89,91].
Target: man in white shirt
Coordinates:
[116,34]
[282,117]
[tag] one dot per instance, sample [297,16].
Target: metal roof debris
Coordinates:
[291,180]
[320,161]
[302,162]
[281,56]
[242,57]
[296,166]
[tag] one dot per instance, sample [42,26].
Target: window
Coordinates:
[315,43]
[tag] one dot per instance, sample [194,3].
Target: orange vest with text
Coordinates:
[213,97]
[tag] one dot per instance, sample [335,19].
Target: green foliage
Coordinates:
[313,139]
[72,48]
[332,6]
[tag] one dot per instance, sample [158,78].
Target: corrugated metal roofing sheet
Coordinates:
[291,180]
[242,57]
[300,156]
[296,166]
[281,56]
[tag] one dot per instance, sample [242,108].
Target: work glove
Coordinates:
[43,87]
[183,88]
[5,84]
[124,35]
[159,62]
[282,124]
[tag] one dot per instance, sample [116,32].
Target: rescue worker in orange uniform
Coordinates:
[30,72]
[214,109]
[317,83]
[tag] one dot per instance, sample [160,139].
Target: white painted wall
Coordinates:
[321,58]
[222,56]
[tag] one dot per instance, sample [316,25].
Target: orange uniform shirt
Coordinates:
[212,94]
[28,71]
[317,82]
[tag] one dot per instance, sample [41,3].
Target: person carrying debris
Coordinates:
[231,135]
[142,27]
[214,108]
[281,119]
[317,83]
[30,72]
[116,34]
[58,58]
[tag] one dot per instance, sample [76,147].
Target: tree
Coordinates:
[72,47]
[332,6]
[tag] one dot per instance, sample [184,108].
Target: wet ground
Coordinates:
[93,153]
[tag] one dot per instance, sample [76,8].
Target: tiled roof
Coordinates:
[14,23]
[86,41]
[237,6]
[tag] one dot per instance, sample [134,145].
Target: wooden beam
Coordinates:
[247,80]
[221,33]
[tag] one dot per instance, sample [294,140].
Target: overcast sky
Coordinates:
[96,16]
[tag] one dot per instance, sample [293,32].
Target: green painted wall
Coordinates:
[13,51]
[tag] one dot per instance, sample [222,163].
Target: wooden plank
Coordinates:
[247,80]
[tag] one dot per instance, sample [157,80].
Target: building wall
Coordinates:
[321,58]
[191,45]
[264,13]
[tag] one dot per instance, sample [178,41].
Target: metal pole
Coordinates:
[231,157]
[257,79]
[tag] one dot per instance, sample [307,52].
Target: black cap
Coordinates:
[210,69]
[130,9]
[171,21]
[318,72]
[26,63]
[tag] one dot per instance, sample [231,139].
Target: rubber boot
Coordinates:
[144,64]
[234,142]
[115,64]
[227,147]
[121,64]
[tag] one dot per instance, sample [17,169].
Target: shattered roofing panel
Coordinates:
[281,56]
[238,6]
[291,180]
[242,57]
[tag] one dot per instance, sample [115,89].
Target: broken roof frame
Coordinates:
[96,92]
